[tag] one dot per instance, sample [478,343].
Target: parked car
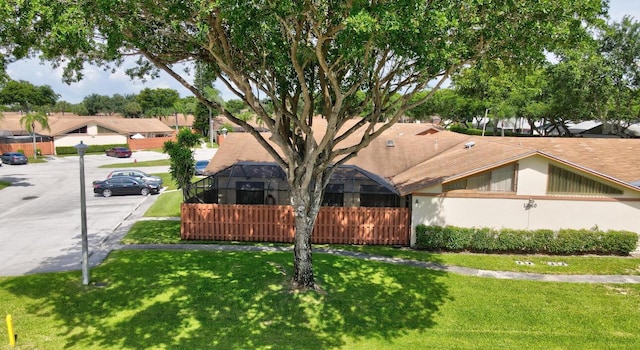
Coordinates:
[119,152]
[200,166]
[121,185]
[14,158]
[138,174]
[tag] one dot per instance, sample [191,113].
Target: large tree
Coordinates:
[27,96]
[157,102]
[296,53]
[620,46]
[96,104]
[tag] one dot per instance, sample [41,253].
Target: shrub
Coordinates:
[483,240]
[564,241]
[430,237]
[619,242]
[62,150]
[459,238]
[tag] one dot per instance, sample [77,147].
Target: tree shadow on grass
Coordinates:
[223,300]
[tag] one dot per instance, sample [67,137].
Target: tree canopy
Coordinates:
[26,95]
[341,56]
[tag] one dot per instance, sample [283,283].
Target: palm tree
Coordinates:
[28,122]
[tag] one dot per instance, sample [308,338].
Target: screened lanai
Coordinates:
[265,183]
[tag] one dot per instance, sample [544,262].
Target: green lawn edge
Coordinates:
[158,299]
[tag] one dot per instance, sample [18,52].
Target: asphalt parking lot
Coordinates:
[40,215]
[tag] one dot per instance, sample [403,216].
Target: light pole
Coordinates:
[82,148]
[210,127]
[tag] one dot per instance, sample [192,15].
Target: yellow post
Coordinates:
[12,336]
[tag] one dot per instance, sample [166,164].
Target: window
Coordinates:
[249,192]
[377,196]
[333,195]
[103,130]
[498,180]
[82,130]
[565,181]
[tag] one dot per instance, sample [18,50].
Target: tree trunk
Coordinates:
[305,210]
[33,133]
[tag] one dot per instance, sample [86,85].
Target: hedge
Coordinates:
[478,132]
[486,240]
[62,150]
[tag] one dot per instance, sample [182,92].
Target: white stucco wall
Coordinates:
[508,211]
[74,139]
[532,176]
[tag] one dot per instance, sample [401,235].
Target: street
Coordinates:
[40,215]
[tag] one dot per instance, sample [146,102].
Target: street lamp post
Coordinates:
[210,127]
[82,148]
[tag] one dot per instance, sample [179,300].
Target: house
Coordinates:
[69,130]
[446,178]
[178,121]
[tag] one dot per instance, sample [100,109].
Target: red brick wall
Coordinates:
[149,143]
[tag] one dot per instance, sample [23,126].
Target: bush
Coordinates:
[62,150]
[478,132]
[486,240]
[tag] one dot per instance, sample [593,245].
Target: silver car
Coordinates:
[14,158]
[138,174]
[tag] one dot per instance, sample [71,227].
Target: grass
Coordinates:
[167,181]
[40,159]
[168,204]
[158,162]
[241,300]
[576,265]
[154,232]
[168,232]
[4,184]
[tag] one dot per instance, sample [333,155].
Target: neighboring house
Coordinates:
[633,130]
[513,124]
[69,130]
[178,121]
[588,128]
[447,178]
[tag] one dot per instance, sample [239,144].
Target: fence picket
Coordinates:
[275,223]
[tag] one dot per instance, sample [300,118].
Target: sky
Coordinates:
[97,81]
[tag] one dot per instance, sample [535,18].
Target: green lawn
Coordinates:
[168,232]
[167,204]
[40,159]
[4,184]
[132,164]
[241,300]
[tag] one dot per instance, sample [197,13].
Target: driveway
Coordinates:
[40,225]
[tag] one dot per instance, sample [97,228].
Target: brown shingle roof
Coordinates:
[418,158]
[59,124]
[183,120]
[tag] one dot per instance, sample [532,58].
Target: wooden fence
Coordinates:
[275,223]
[45,147]
[148,143]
